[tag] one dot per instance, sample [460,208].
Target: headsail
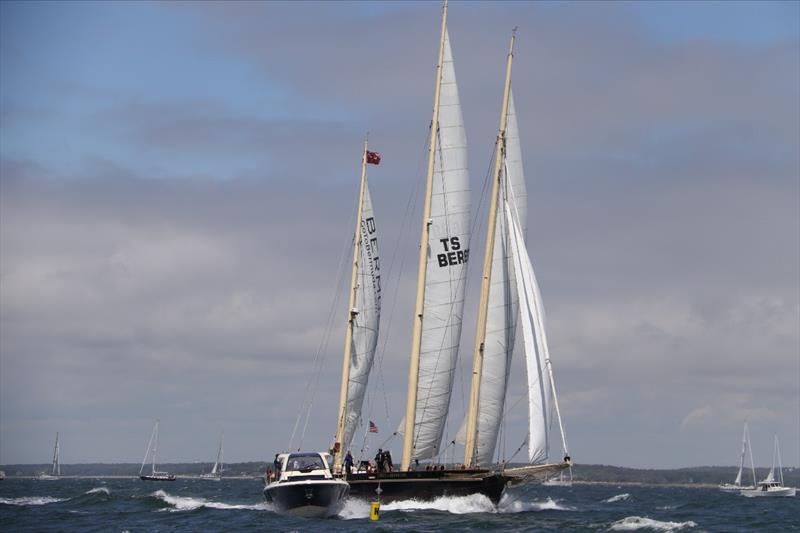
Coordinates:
[445,278]
[541,396]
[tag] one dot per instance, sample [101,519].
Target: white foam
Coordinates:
[184,503]
[618,498]
[355,509]
[633,523]
[508,505]
[474,503]
[99,490]
[31,500]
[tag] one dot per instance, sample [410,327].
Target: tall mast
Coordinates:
[416,338]
[352,312]
[155,447]
[486,280]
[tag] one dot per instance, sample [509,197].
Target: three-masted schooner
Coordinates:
[509,292]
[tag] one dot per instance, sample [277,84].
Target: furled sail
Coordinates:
[501,317]
[537,356]
[365,322]
[446,269]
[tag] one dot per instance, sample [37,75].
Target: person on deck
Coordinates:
[379,460]
[387,458]
[348,463]
[276,466]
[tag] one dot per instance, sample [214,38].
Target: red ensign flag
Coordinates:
[373,158]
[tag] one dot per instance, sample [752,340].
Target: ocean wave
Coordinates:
[185,503]
[99,490]
[31,500]
[516,506]
[633,523]
[618,498]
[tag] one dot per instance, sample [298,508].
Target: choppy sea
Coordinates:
[237,504]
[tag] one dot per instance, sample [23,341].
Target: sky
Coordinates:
[177,194]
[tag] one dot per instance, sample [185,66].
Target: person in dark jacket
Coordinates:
[348,463]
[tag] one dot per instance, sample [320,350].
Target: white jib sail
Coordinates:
[365,322]
[501,320]
[446,270]
[535,343]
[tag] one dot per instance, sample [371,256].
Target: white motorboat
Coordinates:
[305,486]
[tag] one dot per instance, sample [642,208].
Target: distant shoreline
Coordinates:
[696,477]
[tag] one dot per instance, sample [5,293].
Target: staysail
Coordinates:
[540,394]
[445,277]
[366,317]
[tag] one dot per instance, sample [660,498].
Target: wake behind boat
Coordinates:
[304,486]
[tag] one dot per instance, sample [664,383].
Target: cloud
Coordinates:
[181,259]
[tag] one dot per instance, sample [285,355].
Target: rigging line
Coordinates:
[326,339]
[307,403]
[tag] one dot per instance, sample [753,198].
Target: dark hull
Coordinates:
[427,485]
[158,478]
[317,499]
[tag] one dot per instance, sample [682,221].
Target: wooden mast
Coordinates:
[338,451]
[416,340]
[486,280]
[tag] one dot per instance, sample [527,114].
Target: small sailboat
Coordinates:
[154,474]
[216,470]
[737,486]
[770,486]
[55,470]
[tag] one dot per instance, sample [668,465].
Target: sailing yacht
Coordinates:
[737,486]
[770,486]
[216,470]
[55,470]
[441,283]
[154,474]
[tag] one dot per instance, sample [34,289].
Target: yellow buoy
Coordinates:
[375,511]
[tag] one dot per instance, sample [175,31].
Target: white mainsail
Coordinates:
[502,310]
[366,318]
[446,270]
[56,470]
[217,469]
